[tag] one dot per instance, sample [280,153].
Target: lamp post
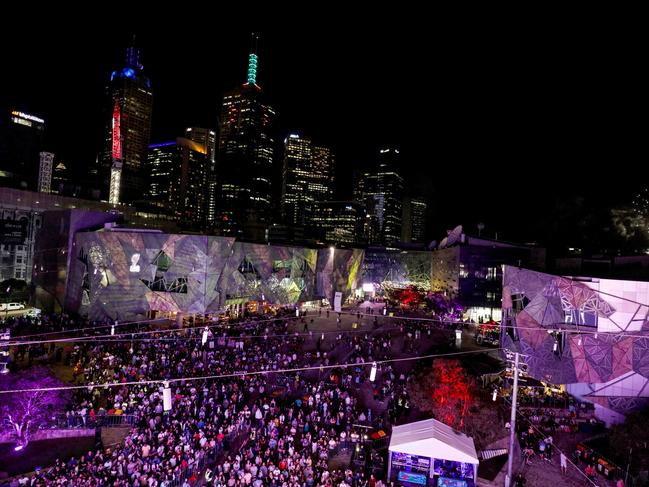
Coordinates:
[512,421]
[7,303]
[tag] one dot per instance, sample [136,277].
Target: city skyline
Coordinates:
[484,106]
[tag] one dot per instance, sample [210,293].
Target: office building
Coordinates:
[413,229]
[245,161]
[128,132]
[21,141]
[338,222]
[178,180]
[45,172]
[381,191]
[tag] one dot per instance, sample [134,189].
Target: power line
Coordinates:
[131,333]
[245,374]
[248,323]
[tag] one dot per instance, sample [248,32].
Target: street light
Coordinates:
[512,421]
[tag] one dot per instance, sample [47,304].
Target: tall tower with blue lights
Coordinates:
[128,132]
[245,159]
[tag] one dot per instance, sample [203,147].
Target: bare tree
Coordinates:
[23,413]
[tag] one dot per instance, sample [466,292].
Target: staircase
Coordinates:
[487,454]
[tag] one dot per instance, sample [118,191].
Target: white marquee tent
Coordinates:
[435,440]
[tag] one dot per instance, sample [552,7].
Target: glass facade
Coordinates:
[178,180]
[381,190]
[244,165]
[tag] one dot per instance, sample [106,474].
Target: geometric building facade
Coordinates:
[398,268]
[119,274]
[590,334]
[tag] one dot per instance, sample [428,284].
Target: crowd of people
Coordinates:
[277,427]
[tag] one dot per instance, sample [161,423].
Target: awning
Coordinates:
[432,439]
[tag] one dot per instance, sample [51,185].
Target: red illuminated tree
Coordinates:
[447,391]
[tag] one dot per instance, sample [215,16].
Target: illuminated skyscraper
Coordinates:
[296,174]
[128,132]
[381,190]
[339,222]
[207,138]
[323,165]
[307,178]
[245,161]
[178,173]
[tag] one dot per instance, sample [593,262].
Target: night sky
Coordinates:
[479,109]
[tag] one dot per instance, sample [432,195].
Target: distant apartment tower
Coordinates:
[178,180]
[381,191]
[21,140]
[339,222]
[413,227]
[128,132]
[244,165]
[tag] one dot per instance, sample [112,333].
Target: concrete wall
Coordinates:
[52,434]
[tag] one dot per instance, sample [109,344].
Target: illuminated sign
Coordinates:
[21,121]
[446,482]
[13,232]
[338,298]
[414,478]
[27,116]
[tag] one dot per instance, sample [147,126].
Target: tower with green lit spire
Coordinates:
[245,160]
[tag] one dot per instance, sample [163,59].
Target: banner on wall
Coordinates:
[338,299]
[13,232]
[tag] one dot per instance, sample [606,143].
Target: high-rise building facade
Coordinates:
[414,220]
[307,178]
[296,175]
[128,132]
[381,191]
[21,141]
[60,177]
[245,161]
[45,172]
[178,180]
[207,138]
[323,164]
[339,222]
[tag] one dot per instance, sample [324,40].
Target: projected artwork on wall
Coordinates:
[576,332]
[120,274]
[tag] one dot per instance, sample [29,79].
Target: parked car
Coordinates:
[11,306]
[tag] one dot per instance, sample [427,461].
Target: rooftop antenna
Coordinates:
[133,55]
[252,60]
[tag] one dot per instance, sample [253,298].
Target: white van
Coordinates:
[11,306]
